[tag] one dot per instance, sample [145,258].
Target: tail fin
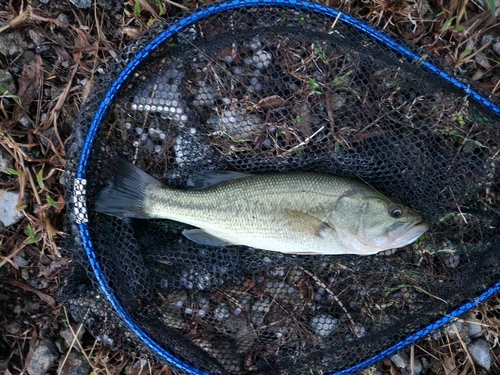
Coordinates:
[126,195]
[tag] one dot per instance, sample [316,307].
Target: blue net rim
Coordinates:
[152,46]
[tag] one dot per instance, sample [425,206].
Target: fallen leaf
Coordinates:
[29,86]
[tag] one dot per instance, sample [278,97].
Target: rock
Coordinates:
[27,57]
[20,261]
[425,362]
[6,161]
[11,44]
[26,122]
[436,335]
[454,329]
[417,366]
[487,38]
[475,329]
[7,82]
[9,215]
[63,18]
[111,4]
[323,325]
[82,4]
[480,352]
[44,355]
[482,60]
[75,364]
[401,360]
[496,48]
[36,36]
[240,125]
[205,96]
[67,335]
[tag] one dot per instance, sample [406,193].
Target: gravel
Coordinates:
[6,161]
[75,364]
[7,82]
[480,352]
[12,44]
[44,355]
[9,215]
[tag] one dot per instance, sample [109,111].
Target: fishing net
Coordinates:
[260,87]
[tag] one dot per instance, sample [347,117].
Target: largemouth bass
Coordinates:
[295,213]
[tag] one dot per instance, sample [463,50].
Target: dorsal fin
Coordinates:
[208,178]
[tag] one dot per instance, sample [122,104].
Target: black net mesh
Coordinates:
[275,90]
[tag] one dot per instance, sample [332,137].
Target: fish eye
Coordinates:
[395,212]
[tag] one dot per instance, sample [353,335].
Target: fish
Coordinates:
[293,212]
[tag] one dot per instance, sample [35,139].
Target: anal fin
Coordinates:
[201,237]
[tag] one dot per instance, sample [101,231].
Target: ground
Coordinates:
[50,54]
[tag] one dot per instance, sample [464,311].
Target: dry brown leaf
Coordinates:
[29,86]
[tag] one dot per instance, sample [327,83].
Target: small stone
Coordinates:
[401,360]
[6,161]
[480,352]
[44,1]
[482,60]
[221,312]
[7,82]
[475,329]
[75,364]
[48,137]
[253,44]
[27,57]
[425,362]
[82,4]
[44,355]
[110,4]
[12,44]
[417,366]
[9,215]
[68,336]
[205,97]
[36,36]
[63,18]
[261,59]
[359,330]
[240,125]
[323,325]
[20,261]
[26,122]
[496,48]
[453,328]
[487,38]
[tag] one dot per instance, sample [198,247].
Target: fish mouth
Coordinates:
[408,233]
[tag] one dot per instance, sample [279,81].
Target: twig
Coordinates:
[177,5]
[323,285]
[304,142]
[75,339]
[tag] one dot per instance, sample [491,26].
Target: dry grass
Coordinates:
[34,128]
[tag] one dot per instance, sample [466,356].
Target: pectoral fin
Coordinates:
[305,223]
[203,238]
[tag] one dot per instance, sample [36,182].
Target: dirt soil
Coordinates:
[50,53]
